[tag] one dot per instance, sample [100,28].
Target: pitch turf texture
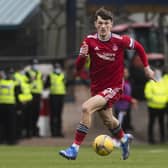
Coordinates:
[142,156]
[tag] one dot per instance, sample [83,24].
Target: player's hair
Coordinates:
[104,14]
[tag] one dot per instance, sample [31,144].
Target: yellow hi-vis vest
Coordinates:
[156,94]
[57,84]
[165,78]
[26,95]
[37,84]
[22,80]
[7,92]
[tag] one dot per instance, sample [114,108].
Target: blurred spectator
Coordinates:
[36,82]
[24,105]
[56,83]
[157,97]
[8,98]
[123,106]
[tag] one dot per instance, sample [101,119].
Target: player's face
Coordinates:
[103,27]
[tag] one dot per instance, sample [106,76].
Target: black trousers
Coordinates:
[126,124]
[27,120]
[36,102]
[24,120]
[56,109]
[153,115]
[7,123]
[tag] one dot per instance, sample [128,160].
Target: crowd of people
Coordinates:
[21,95]
[20,102]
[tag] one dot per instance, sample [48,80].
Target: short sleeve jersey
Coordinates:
[107,61]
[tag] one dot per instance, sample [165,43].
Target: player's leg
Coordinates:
[88,108]
[112,95]
[117,132]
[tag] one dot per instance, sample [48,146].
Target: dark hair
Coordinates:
[104,14]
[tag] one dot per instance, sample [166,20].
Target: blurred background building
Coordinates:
[53,29]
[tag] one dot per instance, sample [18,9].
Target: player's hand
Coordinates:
[84,50]
[134,103]
[150,73]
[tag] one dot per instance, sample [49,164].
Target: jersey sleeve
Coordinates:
[130,43]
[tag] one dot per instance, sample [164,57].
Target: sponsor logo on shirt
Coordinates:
[107,56]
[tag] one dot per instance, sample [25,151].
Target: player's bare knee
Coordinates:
[85,109]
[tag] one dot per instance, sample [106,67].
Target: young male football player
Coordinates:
[106,51]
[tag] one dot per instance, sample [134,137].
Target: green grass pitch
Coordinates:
[142,156]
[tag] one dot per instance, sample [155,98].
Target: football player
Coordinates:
[106,51]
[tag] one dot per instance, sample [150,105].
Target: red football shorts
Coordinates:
[111,95]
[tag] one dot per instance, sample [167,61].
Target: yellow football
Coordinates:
[103,145]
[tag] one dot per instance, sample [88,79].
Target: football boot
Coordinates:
[70,153]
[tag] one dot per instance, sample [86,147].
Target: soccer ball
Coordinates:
[103,145]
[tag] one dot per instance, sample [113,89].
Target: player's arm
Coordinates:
[141,52]
[82,57]
[133,44]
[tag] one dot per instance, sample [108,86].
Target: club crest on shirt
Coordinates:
[96,48]
[114,47]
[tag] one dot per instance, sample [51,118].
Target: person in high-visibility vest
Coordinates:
[36,82]
[24,110]
[8,97]
[156,97]
[56,84]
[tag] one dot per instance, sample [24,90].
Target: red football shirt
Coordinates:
[107,60]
